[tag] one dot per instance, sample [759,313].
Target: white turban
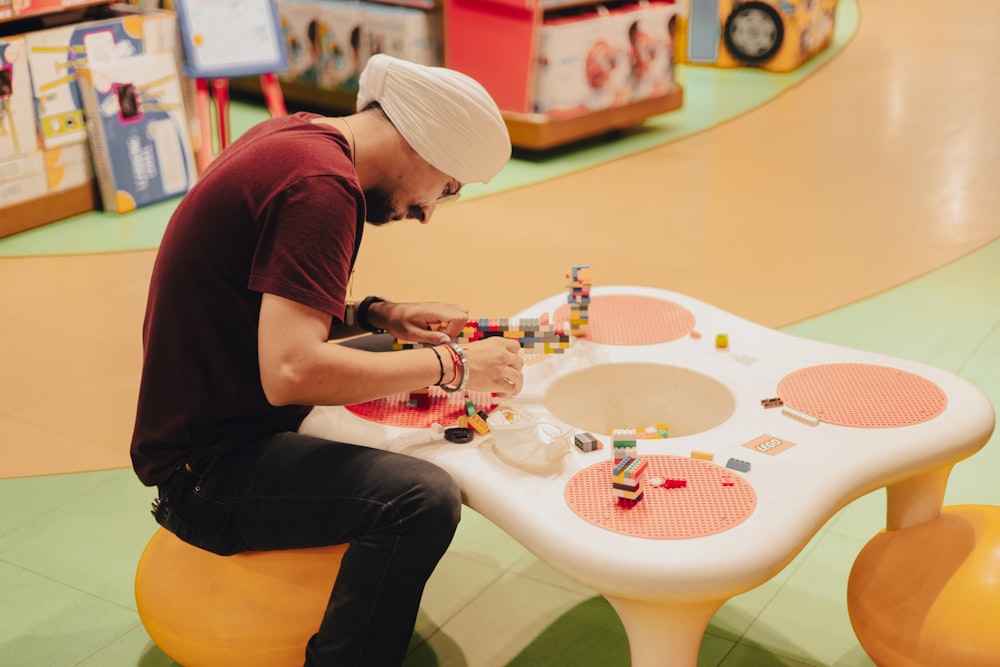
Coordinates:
[447,117]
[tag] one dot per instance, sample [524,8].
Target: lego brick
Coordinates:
[586,442]
[738,465]
[621,465]
[479,424]
[799,416]
[627,503]
[636,468]
[629,495]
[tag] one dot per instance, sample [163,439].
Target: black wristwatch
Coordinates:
[361,316]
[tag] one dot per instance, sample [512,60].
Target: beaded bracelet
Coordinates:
[461,368]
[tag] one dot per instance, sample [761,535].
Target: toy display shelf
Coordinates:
[496,41]
[418,4]
[527,130]
[42,210]
[8,12]
[539,132]
[310,96]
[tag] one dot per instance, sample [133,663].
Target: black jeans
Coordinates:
[290,491]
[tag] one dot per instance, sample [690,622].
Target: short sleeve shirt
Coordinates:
[279,211]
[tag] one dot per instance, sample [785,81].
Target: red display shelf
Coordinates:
[496,43]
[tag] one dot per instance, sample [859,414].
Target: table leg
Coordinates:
[917,499]
[664,633]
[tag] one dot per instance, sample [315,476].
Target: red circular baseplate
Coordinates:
[862,395]
[712,500]
[441,407]
[622,319]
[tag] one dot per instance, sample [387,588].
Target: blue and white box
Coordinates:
[138,131]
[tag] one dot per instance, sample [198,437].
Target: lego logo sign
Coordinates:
[768,444]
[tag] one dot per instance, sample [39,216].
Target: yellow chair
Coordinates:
[929,595]
[251,609]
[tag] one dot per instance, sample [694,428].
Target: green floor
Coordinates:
[69,544]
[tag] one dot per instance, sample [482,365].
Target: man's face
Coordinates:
[384,206]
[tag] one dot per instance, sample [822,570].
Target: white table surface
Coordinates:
[681,582]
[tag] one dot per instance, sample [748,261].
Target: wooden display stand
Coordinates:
[538,132]
[496,43]
[50,208]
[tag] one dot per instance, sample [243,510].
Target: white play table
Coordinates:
[651,357]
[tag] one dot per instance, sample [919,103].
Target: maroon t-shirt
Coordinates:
[279,211]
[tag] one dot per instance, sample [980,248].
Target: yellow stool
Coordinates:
[929,595]
[251,609]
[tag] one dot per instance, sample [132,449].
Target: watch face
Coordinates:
[459,434]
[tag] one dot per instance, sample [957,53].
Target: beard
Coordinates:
[379,207]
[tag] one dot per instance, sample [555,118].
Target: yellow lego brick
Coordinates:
[479,424]
[629,495]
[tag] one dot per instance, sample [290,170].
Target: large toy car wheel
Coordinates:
[754,33]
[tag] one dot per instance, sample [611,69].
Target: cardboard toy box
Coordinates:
[650,29]
[22,177]
[404,32]
[582,65]
[323,40]
[595,59]
[18,132]
[68,167]
[138,131]
[55,54]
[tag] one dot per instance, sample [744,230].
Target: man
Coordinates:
[249,286]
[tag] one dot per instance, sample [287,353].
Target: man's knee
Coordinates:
[436,499]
